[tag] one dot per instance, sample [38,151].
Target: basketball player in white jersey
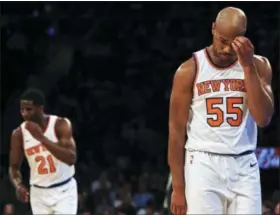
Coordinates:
[218,99]
[49,147]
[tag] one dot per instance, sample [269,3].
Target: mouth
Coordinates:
[27,118]
[225,57]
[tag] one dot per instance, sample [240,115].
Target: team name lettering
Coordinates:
[35,149]
[220,85]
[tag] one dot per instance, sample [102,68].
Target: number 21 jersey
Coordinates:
[45,169]
[219,119]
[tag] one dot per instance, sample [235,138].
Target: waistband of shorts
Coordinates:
[54,185]
[222,154]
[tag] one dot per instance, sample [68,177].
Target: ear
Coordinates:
[213,28]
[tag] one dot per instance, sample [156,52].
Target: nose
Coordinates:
[227,49]
[24,113]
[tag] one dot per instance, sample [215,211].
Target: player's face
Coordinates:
[29,111]
[222,44]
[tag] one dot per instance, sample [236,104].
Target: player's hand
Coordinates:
[22,193]
[34,130]
[178,203]
[244,50]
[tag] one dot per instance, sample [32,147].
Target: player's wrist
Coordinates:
[249,68]
[178,188]
[42,139]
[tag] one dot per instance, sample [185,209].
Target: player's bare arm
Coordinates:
[180,101]
[258,75]
[65,149]
[16,157]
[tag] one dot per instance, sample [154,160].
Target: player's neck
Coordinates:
[216,61]
[43,121]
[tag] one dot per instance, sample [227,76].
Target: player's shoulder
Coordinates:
[17,132]
[187,65]
[261,61]
[263,66]
[62,122]
[186,69]
[184,76]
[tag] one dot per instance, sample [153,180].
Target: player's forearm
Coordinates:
[176,159]
[63,154]
[259,102]
[15,176]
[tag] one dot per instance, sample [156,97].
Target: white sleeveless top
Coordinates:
[219,119]
[45,169]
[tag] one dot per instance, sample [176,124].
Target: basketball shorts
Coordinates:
[58,200]
[217,184]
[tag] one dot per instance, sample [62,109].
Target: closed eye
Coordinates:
[224,42]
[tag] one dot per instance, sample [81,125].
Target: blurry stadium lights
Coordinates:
[51,31]
[36,13]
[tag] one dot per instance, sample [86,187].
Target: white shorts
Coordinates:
[57,200]
[218,184]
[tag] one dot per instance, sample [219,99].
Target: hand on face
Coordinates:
[34,129]
[244,51]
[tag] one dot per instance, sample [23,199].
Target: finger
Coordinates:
[172,208]
[245,41]
[240,46]
[181,211]
[236,49]
[249,44]
[184,210]
[176,210]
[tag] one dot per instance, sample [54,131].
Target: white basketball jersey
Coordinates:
[219,119]
[45,169]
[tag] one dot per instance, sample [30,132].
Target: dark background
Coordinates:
[108,67]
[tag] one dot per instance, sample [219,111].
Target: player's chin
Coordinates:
[26,118]
[31,119]
[225,57]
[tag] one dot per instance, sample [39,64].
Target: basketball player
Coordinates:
[219,97]
[48,145]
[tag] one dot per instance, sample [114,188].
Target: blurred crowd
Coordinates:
[108,67]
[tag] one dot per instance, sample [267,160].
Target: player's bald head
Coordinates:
[231,20]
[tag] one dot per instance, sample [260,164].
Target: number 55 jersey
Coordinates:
[219,119]
[45,169]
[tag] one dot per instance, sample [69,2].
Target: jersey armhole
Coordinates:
[196,69]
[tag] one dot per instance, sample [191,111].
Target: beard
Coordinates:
[36,118]
[222,57]
[216,52]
